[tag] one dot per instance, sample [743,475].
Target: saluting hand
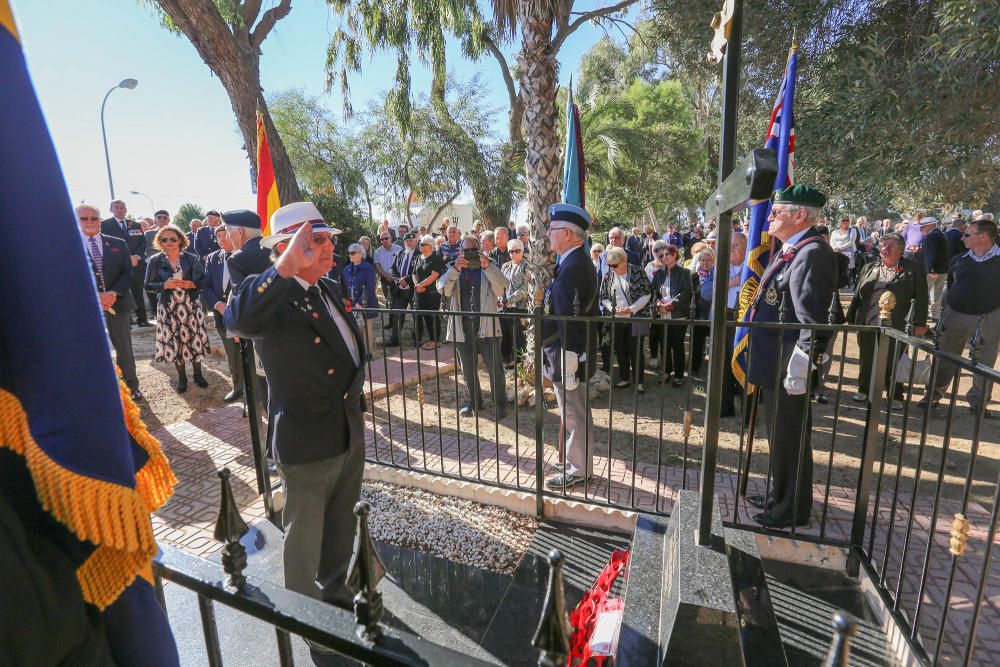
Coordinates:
[301,253]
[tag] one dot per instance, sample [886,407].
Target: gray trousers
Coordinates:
[578,428]
[120,333]
[319,524]
[957,330]
[489,349]
[935,290]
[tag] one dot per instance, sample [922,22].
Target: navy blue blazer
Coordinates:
[316,392]
[249,260]
[809,280]
[136,239]
[358,284]
[212,291]
[573,286]
[205,242]
[117,275]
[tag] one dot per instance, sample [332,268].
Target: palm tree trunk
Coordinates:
[539,79]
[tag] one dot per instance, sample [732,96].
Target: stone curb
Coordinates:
[520,502]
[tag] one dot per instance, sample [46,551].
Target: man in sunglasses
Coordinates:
[971,304]
[112,265]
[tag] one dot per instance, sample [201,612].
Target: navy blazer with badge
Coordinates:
[316,401]
[135,240]
[117,263]
[575,282]
[809,280]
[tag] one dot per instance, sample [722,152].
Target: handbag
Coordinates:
[921,370]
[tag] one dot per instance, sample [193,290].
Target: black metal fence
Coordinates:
[886,471]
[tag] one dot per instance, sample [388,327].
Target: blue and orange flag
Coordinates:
[781,137]
[267,185]
[79,473]
[574,166]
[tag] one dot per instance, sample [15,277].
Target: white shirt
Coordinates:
[384,257]
[733,297]
[345,329]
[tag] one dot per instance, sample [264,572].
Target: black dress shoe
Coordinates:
[758,502]
[200,380]
[769,520]
[137,395]
[233,395]
[467,410]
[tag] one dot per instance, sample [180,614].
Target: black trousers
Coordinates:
[628,350]
[730,387]
[793,418]
[401,300]
[233,360]
[698,336]
[138,291]
[673,357]
[867,342]
[512,342]
[656,334]
[429,301]
[120,333]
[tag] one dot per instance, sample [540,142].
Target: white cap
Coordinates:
[287,220]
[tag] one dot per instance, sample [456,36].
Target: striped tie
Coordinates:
[95,254]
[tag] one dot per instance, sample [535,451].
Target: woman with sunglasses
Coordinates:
[626,292]
[177,276]
[358,281]
[672,287]
[656,333]
[427,268]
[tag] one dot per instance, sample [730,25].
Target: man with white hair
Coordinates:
[802,274]
[568,360]
[312,350]
[452,247]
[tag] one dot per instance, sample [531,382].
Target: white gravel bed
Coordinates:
[460,530]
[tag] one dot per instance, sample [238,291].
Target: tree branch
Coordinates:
[267,22]
[568,29]
[508,80]
[250,11]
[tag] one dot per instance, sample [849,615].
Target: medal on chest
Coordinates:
[771,296]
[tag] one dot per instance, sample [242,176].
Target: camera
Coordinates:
[472,256]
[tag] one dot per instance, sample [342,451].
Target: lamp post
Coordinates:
[125,83]
[152,206]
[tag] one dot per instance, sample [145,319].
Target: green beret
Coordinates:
[804,195]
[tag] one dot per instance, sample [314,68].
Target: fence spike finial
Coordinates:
[911,316]
[839,654]
[552,635]
[363,574]
[229,528]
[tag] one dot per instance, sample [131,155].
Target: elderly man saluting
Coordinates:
[568,361]
[804,270]
[311,349]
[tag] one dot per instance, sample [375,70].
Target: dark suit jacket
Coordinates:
[316,401]
[136,240]
[212,291]
[809,281]
[935,252]
[159,271]
[205,242]
[337,270]
[909,284]
[358,284]
[955,246]
[681,287]
[249,260]
[150,250]
[117,274]
[575,282]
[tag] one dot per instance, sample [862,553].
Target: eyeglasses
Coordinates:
[968,234]
[515,252]
[614,266]
[522,233]
[386,238]
[89,219]
[169,239]
[163,217]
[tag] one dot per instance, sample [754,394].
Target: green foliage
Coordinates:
[186,213]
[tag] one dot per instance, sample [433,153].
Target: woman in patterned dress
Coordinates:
[176,276]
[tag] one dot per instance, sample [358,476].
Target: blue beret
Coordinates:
[571,214]
[241,218]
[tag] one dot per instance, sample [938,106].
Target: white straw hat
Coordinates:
[290,217]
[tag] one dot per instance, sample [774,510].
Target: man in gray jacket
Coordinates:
[473,284]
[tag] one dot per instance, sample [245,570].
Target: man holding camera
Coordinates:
[474,284]
[569,363]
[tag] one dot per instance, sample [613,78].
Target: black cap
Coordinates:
[162,212]
[215,213]
[241,218]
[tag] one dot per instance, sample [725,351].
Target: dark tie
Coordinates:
[125,228]
[316,296]
[95,254]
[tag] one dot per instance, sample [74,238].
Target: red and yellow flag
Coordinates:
[267,186]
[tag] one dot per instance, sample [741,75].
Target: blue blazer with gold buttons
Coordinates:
[315,389]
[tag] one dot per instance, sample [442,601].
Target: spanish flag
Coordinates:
[79,473]
[267,186]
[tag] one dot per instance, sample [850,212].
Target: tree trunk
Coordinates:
[231,51]
[538,70]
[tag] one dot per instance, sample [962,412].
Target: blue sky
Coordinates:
[174,137]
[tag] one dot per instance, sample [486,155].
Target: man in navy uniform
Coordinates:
[130,232]
[569,363]
[112,266]
[205,242]
[214,296]
[802,275]
[311,349]
[401,289]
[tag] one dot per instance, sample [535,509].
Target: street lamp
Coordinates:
[152,207]
[125,83]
